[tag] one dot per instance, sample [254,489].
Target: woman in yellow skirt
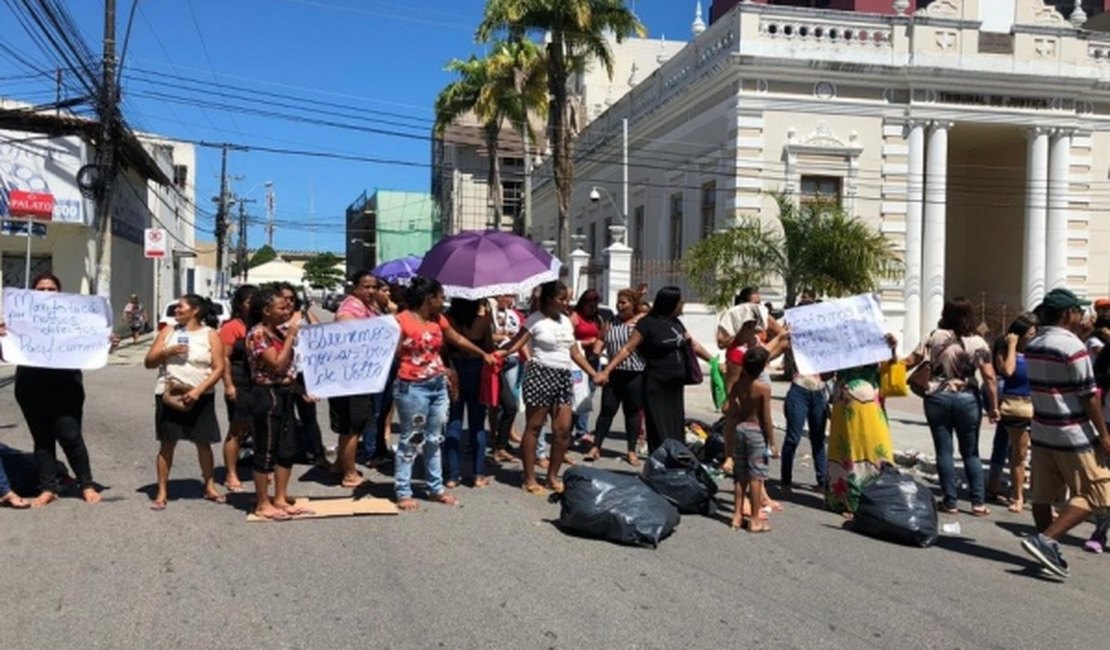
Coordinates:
[859,440]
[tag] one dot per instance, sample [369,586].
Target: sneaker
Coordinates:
[1047,552]
[1093,546]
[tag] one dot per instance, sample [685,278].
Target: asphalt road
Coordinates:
[494,572]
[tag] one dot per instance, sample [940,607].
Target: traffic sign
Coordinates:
[31,205]
[154,243]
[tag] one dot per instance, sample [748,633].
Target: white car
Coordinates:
[166,319]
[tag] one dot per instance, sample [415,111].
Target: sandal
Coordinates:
[980,511]
[482,481]
[407,504]
[157,505]
[534,489]
[13,500]
[444,498]
[948,510]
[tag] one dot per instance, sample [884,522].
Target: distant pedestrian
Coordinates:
[135,315]
[1069,434]
[190,361]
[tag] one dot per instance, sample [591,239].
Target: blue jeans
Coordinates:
[422,411]
[959,413]
[804,406]
[1000,451]
[5,486]
[470,381]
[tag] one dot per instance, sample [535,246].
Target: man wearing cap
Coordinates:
[1070,439]
[1100,331]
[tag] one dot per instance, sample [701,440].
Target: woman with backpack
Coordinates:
[949,359]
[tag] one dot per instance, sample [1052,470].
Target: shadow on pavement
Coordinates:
[1024,565]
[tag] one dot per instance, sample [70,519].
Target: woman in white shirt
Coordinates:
[190,362]
[547,382]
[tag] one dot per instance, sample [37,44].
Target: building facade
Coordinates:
[982,155]
[388,225]
[1092,8]
[44,153]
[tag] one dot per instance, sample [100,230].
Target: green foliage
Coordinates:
[261,256]
[817,246]
[321,271]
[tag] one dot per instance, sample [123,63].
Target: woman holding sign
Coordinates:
[190,361]
[53,402]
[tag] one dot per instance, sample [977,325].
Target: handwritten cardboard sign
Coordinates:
[352,357]
[48,329]
[837,334]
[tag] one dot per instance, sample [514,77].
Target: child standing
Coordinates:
[749,437]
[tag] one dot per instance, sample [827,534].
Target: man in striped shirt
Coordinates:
[1069,434]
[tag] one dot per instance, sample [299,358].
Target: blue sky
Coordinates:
[373,64]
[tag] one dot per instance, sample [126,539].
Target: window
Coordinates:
[708,208]
[180,176]
[638,232]
[512,199]
[676,226]
[821,188]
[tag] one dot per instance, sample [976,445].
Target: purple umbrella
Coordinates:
[483,263]
[398,271]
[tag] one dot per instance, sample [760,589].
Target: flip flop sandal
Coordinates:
[157,506]
[534,489]
[218,498]
[980,511]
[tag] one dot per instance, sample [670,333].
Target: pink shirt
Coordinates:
[352,306]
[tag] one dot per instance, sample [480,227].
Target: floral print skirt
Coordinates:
[859,444]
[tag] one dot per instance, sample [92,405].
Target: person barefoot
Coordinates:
[749,437]
[46,497]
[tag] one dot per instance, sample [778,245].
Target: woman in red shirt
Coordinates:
[237,383]
[589,333]
[420,391]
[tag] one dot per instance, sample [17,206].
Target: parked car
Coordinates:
[221,307]
[331,302]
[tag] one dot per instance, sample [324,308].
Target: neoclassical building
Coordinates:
[978,143]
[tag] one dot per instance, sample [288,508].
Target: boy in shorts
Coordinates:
[749,437]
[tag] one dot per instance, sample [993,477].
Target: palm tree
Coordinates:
[577,32]
[817,246]
[507,85]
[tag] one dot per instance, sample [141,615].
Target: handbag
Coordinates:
[922,375]
[1016,408]
[892,379]
[694,374]
[174,395]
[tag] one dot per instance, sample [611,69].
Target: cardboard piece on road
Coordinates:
[348,507]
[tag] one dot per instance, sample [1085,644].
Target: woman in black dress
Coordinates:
[661,339]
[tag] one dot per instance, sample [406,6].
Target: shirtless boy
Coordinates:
[749,438]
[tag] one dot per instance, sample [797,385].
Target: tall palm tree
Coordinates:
[506,85]
[817,245]
[577,32]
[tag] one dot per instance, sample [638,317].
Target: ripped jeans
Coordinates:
[422,411]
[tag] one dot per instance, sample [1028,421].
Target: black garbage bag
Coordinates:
[896,508]
[616,507]
[23,470]
[713,452]
[675,473]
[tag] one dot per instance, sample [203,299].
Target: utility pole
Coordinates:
[241,249]
[106,159]
[221,226]
[527,228]
[270,206]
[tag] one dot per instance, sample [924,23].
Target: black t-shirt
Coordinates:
[662,348]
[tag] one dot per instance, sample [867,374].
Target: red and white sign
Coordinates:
[154,243]
[32,205]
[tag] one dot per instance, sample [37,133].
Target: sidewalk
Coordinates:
[129,353]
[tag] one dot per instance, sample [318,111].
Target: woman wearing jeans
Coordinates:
[420,390]
[624,388]
[952,401]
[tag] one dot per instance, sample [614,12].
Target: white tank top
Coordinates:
[192,369]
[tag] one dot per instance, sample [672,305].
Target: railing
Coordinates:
[831,31]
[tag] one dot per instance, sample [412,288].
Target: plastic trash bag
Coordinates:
[896,508]
[675,473]
[717,383]
[616,507]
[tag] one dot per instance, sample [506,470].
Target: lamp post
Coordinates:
[617,232]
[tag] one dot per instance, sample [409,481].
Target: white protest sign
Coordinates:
[47,329]
[837,334]
[352,357]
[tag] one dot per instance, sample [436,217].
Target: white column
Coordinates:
[915,206]
[579,260]
[620,266]
[936,217]
[1056,235]
[1036,213]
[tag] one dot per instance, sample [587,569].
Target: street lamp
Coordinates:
[617,232]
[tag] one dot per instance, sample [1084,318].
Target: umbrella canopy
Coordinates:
[480,264]
[398,271]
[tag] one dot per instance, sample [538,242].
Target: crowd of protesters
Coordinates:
[1041,384]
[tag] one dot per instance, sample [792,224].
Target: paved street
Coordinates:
[495,572]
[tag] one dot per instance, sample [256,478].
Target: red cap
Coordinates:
[1102,303]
